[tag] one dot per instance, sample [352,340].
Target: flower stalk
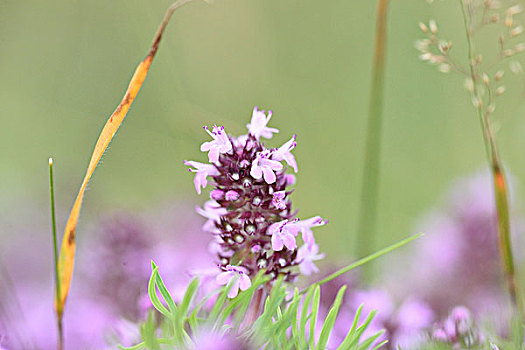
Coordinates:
[497,170]
[371,170]
[59,313]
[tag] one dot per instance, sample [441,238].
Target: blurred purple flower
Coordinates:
[403,324]
[457,262]
[109,292]
[458,330]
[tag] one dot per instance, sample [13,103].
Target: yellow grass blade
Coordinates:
[67,251]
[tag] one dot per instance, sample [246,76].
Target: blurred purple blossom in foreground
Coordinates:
[109,293]
[403,324]
[458,330]
[457,262]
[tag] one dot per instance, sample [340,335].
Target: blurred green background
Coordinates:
[64,66]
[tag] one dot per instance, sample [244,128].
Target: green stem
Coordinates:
[369,185]
[499,179]
[365,260]
[60,345]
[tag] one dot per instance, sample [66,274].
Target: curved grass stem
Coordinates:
[498,175]
[60,343]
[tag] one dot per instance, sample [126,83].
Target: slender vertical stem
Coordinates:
[498,175]
[256,306]
[369,185]
[60,344]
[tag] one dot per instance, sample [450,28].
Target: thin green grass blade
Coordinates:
[241,301]
[370,257]
[305,315]
[330,319]
[148,333]
[365,345]
[347,341]
[384,342]
[177,320]
[164,291]
[188,296]
[181,316]
[294,306]
[139,346]
[356,318]
[270,307]
[58,290]
[313,318]
[152,292]
[241,309]
[219,303]
[361,329]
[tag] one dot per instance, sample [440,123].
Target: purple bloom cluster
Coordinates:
[458,262]
[403,323]
[250,213]
[109,295]
[458,330]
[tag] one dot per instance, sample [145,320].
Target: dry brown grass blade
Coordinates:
[67,251]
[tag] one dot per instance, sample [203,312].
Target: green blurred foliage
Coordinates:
[65,66]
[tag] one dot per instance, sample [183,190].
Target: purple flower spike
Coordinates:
[284,153]
[202,171]
[238,275]
[250,212]
[263,166]
[220,144]
[257,126]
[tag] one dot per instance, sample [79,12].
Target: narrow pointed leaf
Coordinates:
[67,252]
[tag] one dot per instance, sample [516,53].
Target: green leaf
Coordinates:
[219,303]
[305,316]
[147,332]
[152,292]
[361,329]
[370,257]
[165,294]
[368,342]
[188,296]
[351,340]
[313,318]
[330,319]
[139,346]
